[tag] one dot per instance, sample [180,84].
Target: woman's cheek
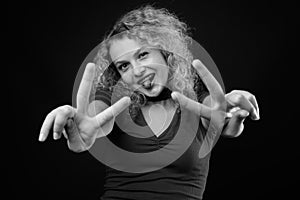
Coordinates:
[126,78]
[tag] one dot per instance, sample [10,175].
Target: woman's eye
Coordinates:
[143,54]
[123,67]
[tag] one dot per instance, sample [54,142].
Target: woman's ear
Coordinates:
[169,58]
[166,55]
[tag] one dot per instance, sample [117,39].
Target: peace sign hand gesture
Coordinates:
[213,116]
[218,104]
[234,106]
[75,124]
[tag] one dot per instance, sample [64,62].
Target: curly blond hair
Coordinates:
[157,28]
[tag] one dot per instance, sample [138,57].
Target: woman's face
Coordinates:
[143,68]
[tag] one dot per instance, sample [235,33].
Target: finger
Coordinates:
[235,125]
[65,133]
[112,111]
[59,123]
[75,142]
[62,115]
[85,88]
[56,135]
[192,105]
[211,83]
[238,100]
[47,125]
[71,130]
[252,99]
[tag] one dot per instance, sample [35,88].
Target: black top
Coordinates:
[183,179]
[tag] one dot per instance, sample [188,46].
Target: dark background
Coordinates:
[251,44]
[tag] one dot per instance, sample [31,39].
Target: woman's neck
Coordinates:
[168,104]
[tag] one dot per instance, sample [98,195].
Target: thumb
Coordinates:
[241,114]
[112,111]
[239,117]
[235,125]
[191,105]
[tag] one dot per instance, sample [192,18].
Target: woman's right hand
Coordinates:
[80,129]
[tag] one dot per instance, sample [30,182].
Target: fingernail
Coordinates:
[257,117]
[129,101]
[229,115]
[55,135]
[173,95]
[245,113]
[41,137]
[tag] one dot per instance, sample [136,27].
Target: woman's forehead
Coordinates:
[126,47]
[123,46]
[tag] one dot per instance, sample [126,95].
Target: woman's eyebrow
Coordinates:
[135,55]
[120,62]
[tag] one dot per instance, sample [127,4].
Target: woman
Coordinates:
[149,56]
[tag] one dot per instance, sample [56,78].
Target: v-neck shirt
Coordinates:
[185,178]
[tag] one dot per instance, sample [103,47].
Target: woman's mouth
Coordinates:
[147,81]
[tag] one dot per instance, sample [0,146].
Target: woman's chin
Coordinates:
[152,92]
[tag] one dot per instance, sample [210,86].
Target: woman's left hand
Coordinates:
[213,112]
[229,110]
[240,104]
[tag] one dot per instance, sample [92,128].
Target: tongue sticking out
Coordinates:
[147,84]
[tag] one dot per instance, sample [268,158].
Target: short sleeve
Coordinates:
[102,94]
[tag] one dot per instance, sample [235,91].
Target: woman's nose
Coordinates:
[138,69]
